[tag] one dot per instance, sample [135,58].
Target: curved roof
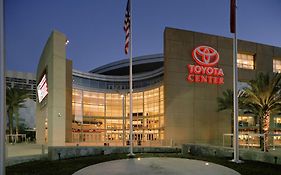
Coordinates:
[147,71]
[141,65]
[119,78]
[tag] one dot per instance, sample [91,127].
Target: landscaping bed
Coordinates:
[69,166]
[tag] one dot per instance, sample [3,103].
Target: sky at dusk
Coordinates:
[95,27]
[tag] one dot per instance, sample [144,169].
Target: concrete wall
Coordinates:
[68,100]
[191,108]
[54,106]
[245,154]
[55,153]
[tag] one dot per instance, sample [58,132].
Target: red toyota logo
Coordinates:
[205,56]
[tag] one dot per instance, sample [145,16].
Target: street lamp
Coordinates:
[123,118]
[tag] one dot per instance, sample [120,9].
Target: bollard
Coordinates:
[59,156]
[43,149]
[275,159]
[77,152]
[189,150]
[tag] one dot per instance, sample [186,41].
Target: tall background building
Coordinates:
[22,80]
[26,81]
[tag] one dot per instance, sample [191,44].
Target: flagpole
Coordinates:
[235,101]
[2,92]
[131,154]
[235,95]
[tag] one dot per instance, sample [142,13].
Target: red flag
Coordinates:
[127,23]
[233,16]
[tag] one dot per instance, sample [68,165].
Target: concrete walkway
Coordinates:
[22,152]
[22,149]
[160,166]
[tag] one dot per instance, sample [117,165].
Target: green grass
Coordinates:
[69,166]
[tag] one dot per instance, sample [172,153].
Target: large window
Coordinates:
[93,104]
[277,122]
[245,61]
[98,116]
[151,102]
[246,121]
[77,105]
[114,105]
[276,66]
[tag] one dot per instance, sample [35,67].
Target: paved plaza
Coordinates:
[22,149]
[154,166]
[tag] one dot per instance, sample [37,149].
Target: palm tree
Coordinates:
[226,103]
[14,101]
[263,99]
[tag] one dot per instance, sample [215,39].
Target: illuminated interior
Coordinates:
[276,66]
[98,116]
[245,61]
[277,127]
[249,131]
[246,121]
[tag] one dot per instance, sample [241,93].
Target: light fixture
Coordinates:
[66,42]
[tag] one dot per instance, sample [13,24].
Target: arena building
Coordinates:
[174,94]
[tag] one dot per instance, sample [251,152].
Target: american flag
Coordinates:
[127,23]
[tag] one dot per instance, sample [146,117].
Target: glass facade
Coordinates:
[277,122]
[246,121]
[111,85]
[248,130]
[103,117]
[249,134]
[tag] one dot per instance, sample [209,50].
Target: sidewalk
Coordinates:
[152,166]
[24,149]
[22,152]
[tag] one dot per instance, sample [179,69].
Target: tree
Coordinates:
[263,98]
[226,103]
[14,101]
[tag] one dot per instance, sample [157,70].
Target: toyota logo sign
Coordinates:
[204,72]
[205,56]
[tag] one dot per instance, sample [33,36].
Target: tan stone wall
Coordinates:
[69,118]
[191,108]
[53,62]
